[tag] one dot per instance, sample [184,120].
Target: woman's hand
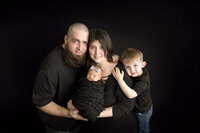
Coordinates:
[117,74]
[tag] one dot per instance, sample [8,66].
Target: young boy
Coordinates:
[88,98]
[132,60]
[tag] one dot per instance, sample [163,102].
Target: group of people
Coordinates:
[82,86]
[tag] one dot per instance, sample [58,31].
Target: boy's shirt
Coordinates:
[141,85]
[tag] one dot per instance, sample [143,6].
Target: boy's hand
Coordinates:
[70,106]
[117,74]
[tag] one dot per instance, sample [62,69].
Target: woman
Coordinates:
[117,116]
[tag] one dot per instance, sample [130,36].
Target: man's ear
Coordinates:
[144,63]
[65,38]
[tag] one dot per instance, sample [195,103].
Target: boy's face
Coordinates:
[93,75]
[134,67]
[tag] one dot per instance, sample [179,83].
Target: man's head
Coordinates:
[75,44]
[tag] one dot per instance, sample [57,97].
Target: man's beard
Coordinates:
[73,60]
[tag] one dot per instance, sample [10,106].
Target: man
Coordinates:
[56,80]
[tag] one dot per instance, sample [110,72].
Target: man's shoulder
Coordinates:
[53,59]
[54,53]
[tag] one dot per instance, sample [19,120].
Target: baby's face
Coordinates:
[93,75]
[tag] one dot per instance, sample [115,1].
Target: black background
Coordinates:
[167,34]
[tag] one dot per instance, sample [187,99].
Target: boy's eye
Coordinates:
[127,67]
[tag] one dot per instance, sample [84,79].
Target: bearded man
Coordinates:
[56,81]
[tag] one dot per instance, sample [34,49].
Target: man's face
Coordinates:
[77,42]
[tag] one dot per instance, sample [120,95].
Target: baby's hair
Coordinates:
[97,67]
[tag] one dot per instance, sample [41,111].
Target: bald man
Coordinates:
[56,81]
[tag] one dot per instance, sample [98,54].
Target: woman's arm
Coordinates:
[121,105]
[107,112]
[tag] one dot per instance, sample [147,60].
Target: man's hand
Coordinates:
[74,114]
[70,106]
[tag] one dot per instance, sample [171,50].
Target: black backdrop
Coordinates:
[166,33]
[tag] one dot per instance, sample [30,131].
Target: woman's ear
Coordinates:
[144,63]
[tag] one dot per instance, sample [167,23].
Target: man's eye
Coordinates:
[74,40]
[85,43]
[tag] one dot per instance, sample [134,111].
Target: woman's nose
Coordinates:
[97,51]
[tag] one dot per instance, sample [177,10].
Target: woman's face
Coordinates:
[96,52]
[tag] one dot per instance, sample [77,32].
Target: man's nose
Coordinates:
[79,46]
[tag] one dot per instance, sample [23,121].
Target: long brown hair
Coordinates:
[105,41]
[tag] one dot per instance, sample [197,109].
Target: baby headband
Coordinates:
[96,69]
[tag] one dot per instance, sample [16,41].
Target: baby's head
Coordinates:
[132,60]
[94,73]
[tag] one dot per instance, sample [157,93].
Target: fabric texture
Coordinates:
[88,98]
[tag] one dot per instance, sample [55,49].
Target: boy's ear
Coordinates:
[144,63]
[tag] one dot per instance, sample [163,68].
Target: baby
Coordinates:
[88,98]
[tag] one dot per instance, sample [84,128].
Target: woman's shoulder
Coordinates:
[115,58]
[120,65]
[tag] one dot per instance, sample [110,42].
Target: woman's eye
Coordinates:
[91,47]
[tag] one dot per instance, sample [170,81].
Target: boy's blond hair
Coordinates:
[131,54]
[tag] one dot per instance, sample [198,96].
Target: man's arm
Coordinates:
[54,109]
[129,92]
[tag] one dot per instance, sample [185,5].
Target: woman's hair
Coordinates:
[105,41]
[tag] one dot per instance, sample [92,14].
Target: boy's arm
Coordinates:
[130,93]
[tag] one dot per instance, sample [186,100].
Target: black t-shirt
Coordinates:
[56,82]
[141,85]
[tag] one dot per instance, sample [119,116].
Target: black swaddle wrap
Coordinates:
[89,98]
